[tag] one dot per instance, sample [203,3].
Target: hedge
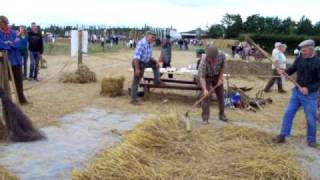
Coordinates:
[266,41]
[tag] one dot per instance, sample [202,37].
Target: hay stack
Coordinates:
[5,174]
[112,86]
[162,149]
[82,75]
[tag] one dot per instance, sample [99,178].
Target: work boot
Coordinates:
[313,144]
[281,91]
[223,117]
[205,121]
[266,91]
[159,83]
[135,102]
[279,139]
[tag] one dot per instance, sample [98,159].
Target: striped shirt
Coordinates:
[143,51]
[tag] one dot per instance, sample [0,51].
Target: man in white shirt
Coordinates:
[280,62]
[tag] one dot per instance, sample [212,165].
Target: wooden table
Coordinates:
[169,84]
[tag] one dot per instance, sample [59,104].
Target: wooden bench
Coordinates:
[171,81]
[169,84]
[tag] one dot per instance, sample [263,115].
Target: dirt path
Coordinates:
[71,143]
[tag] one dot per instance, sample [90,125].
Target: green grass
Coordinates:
[62,47]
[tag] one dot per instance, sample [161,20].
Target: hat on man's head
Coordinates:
[151,33]
[212,52]
[4,19]
[307,43]
[277,44]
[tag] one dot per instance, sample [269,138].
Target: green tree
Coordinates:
[304,26]
[272,25]
[216,31]
[317,28]
[287,26]
[254,23]
[233,25]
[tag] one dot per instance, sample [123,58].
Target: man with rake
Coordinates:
[307,68]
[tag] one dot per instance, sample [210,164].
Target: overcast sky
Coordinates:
[181,14]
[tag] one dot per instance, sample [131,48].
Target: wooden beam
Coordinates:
[172,81]
[166,86]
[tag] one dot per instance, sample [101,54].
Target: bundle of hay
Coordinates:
[112,86]
[162,149]
[43,63]
[5,174]
[82,75]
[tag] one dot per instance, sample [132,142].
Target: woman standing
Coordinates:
[24,49]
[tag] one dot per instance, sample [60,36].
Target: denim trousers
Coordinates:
[309,104]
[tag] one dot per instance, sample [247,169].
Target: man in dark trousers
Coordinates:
[166,52]
[36,50]
[210,74]
[307,68]
[10,43]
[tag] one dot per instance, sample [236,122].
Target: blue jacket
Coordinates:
[13,48]
[24,42]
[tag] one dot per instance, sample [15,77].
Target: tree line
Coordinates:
[232,25]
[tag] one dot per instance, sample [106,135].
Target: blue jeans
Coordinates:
[136,80]
[309,104]
[24,54]
[34,64]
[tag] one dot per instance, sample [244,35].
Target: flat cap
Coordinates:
[4,19]
[150,33]
[212,52]
[307,43]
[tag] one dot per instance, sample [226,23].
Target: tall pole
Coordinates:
[80,48]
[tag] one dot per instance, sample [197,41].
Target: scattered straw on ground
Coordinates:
[82,75]
[6,175]
[162,149]
[112,86]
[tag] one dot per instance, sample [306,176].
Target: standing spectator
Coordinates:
[186,44]
[166,51]
[24,49]
[36,50]
[116,40]
[102,41]
[180,42]
[12,44]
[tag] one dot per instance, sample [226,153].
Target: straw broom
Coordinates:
[19,126]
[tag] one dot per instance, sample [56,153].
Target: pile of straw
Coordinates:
[162,149]
[6,175]
[112,86]
[82,75]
